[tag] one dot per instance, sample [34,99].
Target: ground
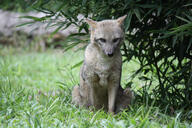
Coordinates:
[35,91]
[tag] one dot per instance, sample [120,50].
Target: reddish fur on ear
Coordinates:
[91,23]
[120,20]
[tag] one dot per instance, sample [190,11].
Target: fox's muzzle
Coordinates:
[109,52]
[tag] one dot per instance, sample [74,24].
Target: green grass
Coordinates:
[35,91]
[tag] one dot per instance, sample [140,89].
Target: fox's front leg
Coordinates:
[92,96]
[112,93]
[92,82]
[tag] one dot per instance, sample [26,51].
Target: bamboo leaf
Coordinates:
[128,21]
[26,23]
[137,13]
[77,64]
[174,41]
[34,18]
[183,19]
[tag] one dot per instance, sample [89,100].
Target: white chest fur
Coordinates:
[103,69]
[102,66]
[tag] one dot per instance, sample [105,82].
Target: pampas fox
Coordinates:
[100,74]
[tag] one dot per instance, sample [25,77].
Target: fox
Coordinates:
[100,74]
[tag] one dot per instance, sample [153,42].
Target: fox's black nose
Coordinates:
[110,54]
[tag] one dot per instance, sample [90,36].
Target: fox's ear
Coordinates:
[120,20]
[91,23]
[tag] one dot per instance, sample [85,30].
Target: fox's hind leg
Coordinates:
[125,97]
[79,97]
[76,97]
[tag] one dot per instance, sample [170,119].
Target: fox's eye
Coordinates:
[102,40]
[116,40]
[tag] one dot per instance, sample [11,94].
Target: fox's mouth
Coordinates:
[110,54]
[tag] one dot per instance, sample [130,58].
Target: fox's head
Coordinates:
[107,34]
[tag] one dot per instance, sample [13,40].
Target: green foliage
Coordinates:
[158,36]
[16,5]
